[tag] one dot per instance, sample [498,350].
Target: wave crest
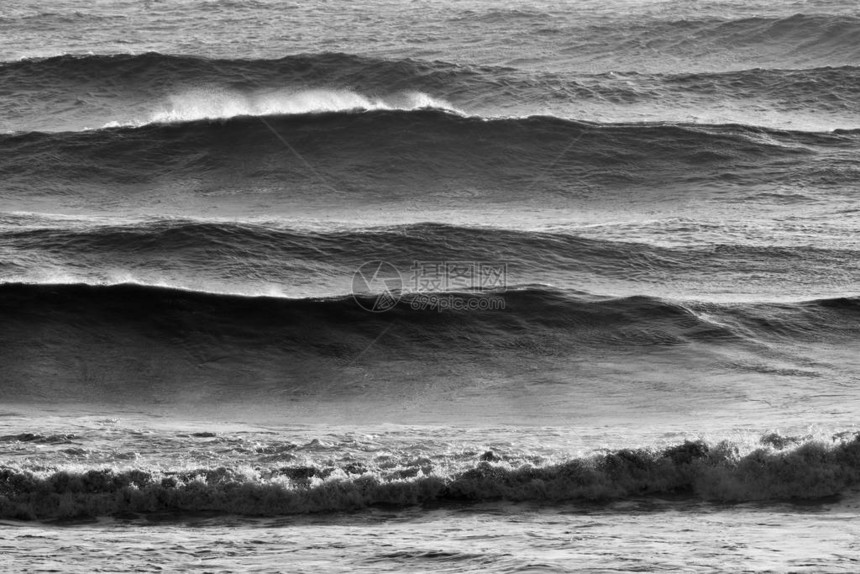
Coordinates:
[796,470]
[218,103]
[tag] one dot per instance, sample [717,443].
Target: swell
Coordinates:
[799,37]
[387,151]
[243,257]
[827,87]
[154,237]
[97,90]
[166,73]
[814,32]
[790,41]
[260,319]
[135,343]
[542,307]
[153,70]
[810,470]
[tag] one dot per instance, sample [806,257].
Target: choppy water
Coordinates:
[605,315]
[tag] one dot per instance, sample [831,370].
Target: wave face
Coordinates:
[158,342]
[388,155]
[155,74]
[259,258]
[645,36]
[151,88]
[783,469]
[111,90]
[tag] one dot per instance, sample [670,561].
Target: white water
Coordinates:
[634,407]
[219,103]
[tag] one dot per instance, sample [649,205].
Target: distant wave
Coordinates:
[154,237]
[258,258]
[800,37]
[165,73]
[786,85]
[51,18]
[154,69]
[185,88]
[415,150]
[501,15]
[784,469]
[792,40]
[96,90]
[817,32]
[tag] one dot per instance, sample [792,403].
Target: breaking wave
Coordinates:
[784,468]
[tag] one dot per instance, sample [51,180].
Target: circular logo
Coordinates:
[376,286]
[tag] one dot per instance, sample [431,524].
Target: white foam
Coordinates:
[218,103]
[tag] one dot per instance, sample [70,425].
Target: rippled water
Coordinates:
[667,380]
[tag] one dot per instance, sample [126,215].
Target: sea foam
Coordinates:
[219,103]
[780,469]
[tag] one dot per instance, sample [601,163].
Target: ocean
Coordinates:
[413,286]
